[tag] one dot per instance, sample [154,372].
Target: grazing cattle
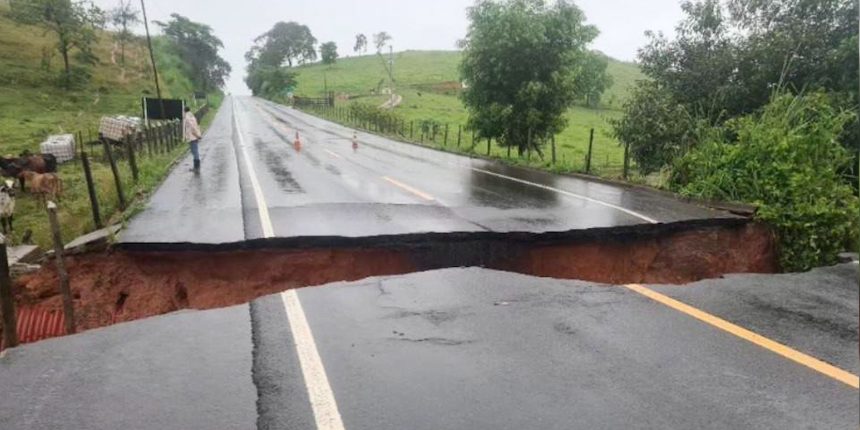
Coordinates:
[7,206]
[48,185]
[38,163]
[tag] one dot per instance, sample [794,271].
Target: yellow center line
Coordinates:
[755,338]
[332,153]
[418,193]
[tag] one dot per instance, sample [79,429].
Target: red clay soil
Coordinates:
[123,285]
[682,257]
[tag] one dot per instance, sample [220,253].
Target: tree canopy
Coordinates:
[521,61]
[728,57]
[287,43]
[328,52]
[197,44]
[73,22]
[122,17]
[360,43]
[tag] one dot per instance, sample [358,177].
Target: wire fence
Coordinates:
[591,155]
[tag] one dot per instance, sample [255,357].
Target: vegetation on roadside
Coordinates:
[755,101]
[35,103]
[786,160]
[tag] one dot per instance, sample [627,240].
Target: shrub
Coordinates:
[787,160]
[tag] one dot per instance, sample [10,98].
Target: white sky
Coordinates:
[414,24]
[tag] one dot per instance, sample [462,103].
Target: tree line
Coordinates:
[77,26]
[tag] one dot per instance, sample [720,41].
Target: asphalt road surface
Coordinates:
[255,184]
[466,348]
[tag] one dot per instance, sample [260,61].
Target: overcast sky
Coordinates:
[414,24]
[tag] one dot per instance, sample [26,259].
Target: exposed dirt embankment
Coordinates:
[124,285]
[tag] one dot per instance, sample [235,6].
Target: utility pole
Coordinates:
[151,55]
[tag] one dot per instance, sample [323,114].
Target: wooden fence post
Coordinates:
[553,148]
[116,178]
[411,127]
[626,160]
[459,134]
[588,159]
[7,300]
[489,140]
[445,143]
[65,290]
[132,160]
[91,190]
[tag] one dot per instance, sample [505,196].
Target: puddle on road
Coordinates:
[128,284]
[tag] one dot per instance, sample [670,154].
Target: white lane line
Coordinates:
[332,153]
[321,397]
[568,193]
[418,193]
[323,404]
[262,208]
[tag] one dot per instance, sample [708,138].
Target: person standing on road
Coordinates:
[192,136]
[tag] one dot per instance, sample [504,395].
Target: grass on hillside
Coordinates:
[427,81]
[33,105]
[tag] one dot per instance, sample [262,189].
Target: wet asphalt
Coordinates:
[466,348]
[381,188]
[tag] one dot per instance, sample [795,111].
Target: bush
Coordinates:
[657,128]
[788,161]
[367,113]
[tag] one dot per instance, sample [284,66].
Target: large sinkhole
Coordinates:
[132,281]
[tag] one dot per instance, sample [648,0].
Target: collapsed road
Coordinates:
[476,347]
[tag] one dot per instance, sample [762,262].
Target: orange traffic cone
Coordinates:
[298,142]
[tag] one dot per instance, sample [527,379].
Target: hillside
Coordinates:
[427,81]
[428,70]
[33,105]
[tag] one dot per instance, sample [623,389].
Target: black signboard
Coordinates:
[173,108]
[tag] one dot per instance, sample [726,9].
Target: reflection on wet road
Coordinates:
[324,187]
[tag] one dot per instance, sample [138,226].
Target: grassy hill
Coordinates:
[428,83]
[33,105]
[428,70]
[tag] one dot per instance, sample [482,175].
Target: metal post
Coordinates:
[91,190]
[7,300]
[588,159]
[65,290]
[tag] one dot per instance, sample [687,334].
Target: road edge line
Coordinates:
[792,354]
[568,193]
[412,190]
[323,403]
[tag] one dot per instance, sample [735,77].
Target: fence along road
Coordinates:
[327,188]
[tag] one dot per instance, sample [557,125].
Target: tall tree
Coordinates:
[74,23]
[360,43]
[380,40]
[286,42]
[728,56]
[593,79]
[199,47]
[123,17]
[521,61]
[328,52]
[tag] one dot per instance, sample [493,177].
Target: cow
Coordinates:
[38,163]
[48,185]
[7,206]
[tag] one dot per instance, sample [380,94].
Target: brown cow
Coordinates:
[45,184]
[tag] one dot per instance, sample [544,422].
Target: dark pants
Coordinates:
[195,151]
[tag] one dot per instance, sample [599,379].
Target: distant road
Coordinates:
[253,180]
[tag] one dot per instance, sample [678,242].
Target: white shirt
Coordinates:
[191,129]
